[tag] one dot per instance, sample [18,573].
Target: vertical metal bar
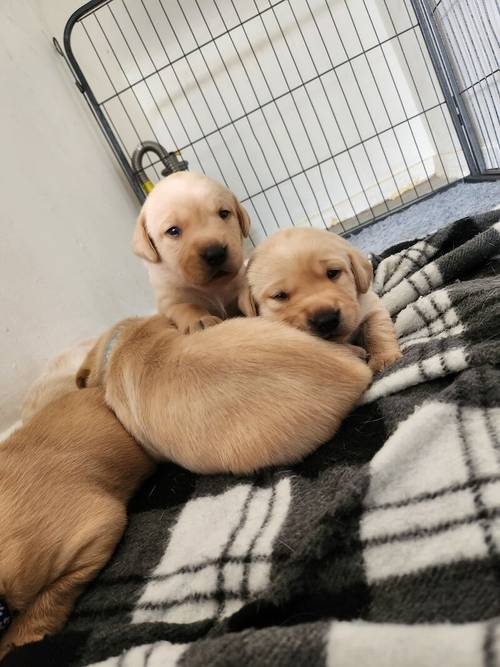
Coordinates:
[367,109]
[444,72]
[91,100]
[439,98]
[221,97]
[475,59]
[224,141]
[263,116]
[247,118]
[457,53]
[108,41]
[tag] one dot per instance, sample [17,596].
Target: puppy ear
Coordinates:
[142,244]
[362,269]
[243,219]
[246,302]
[86,375]
[82,376]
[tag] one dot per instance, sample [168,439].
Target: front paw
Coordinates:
[202,323]
[359,352]
[381,360]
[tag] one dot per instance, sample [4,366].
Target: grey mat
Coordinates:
[423,217]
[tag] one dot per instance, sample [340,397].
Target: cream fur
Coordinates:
[240,396]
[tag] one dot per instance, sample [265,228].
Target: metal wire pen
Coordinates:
[314,112]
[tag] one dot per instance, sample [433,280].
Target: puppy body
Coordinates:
[56,380]
[233,398]
[190,232]
[316,281]
[65,479]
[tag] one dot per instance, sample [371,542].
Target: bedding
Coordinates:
[382,548]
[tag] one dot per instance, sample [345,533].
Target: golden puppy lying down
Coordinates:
[233,398]
[65,479]
[316,281]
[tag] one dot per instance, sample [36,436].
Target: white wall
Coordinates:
[66,269]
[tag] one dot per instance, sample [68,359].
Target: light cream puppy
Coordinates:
[243,395]
[190,233]
[316,281]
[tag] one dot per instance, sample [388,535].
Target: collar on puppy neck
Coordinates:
[109,347]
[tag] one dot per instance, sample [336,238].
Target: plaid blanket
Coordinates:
[382,548]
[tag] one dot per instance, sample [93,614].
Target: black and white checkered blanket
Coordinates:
[381,549]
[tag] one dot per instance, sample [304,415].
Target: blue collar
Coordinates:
[110,345]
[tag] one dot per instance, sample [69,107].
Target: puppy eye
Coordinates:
[333,273]
[224,213]
[173,231]
[280,296]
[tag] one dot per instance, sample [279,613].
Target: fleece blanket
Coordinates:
[382,548]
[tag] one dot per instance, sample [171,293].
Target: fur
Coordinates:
[65,479]
[191,293]
[243,395]
[294,263]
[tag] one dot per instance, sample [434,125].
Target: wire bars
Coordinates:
[470,31]
[326,113]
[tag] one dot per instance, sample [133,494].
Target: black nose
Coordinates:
[214,255]
[325,322]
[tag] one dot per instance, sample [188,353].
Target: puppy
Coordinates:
[190,233]
[65,479]
[240,396]
[316,281]
[56,379]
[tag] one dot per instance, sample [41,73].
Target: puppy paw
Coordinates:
[359,352]
[202,323]
[378,362]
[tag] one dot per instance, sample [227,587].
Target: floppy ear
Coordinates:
[243,219]
[362,269]
[142,244]
[246,301]
[86,375]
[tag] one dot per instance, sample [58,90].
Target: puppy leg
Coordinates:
[380,340]
[189,318]
[49,610]
[359,352]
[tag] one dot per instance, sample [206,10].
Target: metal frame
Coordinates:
[85,89]
[444,71]
[462,122]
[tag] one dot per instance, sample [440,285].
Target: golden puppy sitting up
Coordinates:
[190,233]
[316,281]
[65,479]
[233,398]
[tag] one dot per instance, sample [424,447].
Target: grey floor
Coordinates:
[424,217]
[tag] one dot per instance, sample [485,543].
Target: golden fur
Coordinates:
[287,281]
[191,292]
[65,479]
[243,395]
[57,379]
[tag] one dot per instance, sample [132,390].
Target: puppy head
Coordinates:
[310,279]
[194,227]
